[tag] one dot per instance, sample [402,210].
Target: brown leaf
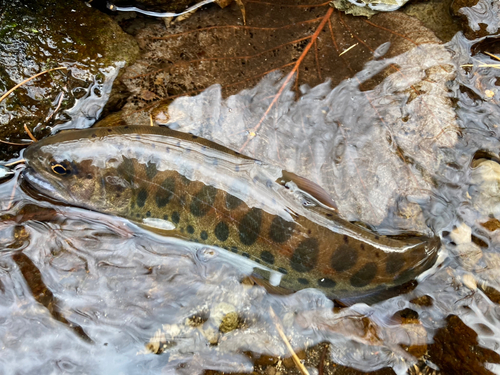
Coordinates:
[213,46]
[372,142]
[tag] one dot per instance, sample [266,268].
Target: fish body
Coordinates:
[204,192]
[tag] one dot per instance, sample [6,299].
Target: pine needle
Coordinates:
[30,134]
[296,359]
[27,80]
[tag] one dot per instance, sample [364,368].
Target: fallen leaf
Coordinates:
[372,142]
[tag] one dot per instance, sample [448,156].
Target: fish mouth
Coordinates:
[41,185]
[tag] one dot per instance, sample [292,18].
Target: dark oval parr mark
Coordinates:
[232,202]
[394,263]
[326,283]
[281,230]
[151,170]
[203,201]
[305,256]
[344,258]
[249,226]
[126,170]
[267,257]
[364,276]
[165,192]
[221,231]
[141,197]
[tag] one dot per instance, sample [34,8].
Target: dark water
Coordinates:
[82,292]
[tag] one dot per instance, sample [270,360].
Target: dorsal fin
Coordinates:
[309,187]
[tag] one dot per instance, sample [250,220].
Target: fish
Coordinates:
[197,190]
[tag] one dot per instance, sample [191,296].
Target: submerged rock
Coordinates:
[436,15]
[39,35]
[485,190]
[456,350]
[367,8]
[480,18]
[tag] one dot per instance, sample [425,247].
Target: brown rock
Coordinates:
[456,350]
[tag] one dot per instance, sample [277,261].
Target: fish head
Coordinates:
[74,169]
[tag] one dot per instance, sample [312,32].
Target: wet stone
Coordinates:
[230,322]
[266,360]
[37,36]
[249,226]
[344,258]
[423,301]
[491,225]
[408,316]
[456,350]
[280,230]
[305,256]
[364,276]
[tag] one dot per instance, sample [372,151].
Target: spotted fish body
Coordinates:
[206,193]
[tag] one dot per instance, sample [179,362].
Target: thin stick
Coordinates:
[322,361]
[29,133]
[12,195]
[15,162]
[57,108]
[27,80]
[347,50]
[151,120]
[253,132]
[296,359]
[492,55]
[15,144]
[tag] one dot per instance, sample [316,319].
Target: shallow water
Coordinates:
[88,293]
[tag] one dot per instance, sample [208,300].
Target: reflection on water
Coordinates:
[86,293]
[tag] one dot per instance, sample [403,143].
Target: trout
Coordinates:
[200,191]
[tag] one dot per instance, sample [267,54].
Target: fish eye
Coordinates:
[59,169]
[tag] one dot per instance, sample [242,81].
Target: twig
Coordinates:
[496,66]
[347,50]
[57,108]
[296,359]
[30,134]
[15,144]
[15,162]
[252,133]
[12,195]
[27,80]
[492,55]
[322,361]
[113,7]
[14,88]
